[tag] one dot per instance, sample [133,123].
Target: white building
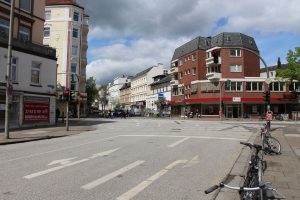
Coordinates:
[66,29]
[33,70]
[140,85]
[114,91]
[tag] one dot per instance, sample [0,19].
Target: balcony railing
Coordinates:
[174,82]
[29,47]
[213,75]
[174,70]
[210,61]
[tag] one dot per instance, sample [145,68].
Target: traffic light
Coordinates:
[67,95]
[267,97]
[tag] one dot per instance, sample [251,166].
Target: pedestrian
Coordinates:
[57,115]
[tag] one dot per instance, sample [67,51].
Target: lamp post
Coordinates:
[8,69]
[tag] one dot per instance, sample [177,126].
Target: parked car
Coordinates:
[119,113]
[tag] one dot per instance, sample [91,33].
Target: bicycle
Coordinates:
[268,140]
[253,187]
[267,194]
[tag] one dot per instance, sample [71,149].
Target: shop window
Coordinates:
[254,86]
[4,27]
[233,86]
[277,86]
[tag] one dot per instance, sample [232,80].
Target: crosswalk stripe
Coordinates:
[112,175]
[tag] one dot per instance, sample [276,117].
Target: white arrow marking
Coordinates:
[67,164]
[61,161]
[140,187]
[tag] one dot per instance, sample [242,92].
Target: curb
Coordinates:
[238,169]
[30,140]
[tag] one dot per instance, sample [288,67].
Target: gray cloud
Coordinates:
[161,26]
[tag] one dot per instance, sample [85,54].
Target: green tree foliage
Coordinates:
[91,90]
[293,66]
[161,102]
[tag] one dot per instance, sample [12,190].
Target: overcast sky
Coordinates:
[128,36]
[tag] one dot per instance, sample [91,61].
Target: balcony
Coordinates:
[173,82]
[210,61]
[28,47]
[174,70]
[213,76]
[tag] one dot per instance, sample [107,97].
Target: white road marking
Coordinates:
[178,142]
[194,161]
[179,136]
[32,132]
[112,175]
[292,135]
[140,187]
[68,164]
[56,150]
[61,161]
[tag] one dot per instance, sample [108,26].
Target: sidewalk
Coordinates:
[40,133]
[283,171]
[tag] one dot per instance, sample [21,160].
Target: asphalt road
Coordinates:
[124,159]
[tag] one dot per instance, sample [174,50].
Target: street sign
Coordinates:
[161,95]
[268,81]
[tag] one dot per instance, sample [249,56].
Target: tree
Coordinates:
[293,67]
[103,96]
[161,102]
[91,90]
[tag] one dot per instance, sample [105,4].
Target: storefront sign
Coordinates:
[36,112]
[236,99]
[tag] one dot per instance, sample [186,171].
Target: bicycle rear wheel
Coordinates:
[273,144]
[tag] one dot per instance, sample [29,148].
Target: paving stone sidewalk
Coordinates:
[41,133]
[283,170]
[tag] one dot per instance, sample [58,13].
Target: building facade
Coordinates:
[140,86]
[66,29]
[33,70]
[220,76]
[114,91]
[125,92]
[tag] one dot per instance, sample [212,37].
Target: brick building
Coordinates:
[220,76]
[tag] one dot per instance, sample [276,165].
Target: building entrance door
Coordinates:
[232,111]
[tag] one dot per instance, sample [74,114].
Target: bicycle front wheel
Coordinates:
[273,144]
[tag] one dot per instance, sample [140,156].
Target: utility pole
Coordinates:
[8,68]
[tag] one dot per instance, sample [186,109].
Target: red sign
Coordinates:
[36,112]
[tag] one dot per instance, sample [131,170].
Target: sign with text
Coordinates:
[36,112]
[236,99]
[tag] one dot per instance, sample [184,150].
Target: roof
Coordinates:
[125,86]
[273,68]
[142,72]
[62,2]
[226,39]
[166,79]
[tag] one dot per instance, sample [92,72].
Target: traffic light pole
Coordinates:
[8,68]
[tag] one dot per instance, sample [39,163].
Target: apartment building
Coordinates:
[114,91]
[220,76]
[160,88]
[125,92]
[33,71]
[140,86]
[66,29]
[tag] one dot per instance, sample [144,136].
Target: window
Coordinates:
[75,33]
[277,86]
[194,89]
[294,86]
[4,27]
[194,70]
[47,14]
[25,5]
[235,68]
[47,32]
[180,75]
[193,57]
[254,86]
[6,1]
[233,86]
[180,63]
[73,68]
[24,33]
[35,72]
[76,16]
[235,52]
[74,50]
[13,72]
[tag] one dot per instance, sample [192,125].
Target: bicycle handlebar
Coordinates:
[259,147]
[211,189]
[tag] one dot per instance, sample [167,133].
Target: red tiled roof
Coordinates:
[63,2]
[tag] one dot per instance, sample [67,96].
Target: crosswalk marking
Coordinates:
[112,175]
[140,187]
[68,164]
